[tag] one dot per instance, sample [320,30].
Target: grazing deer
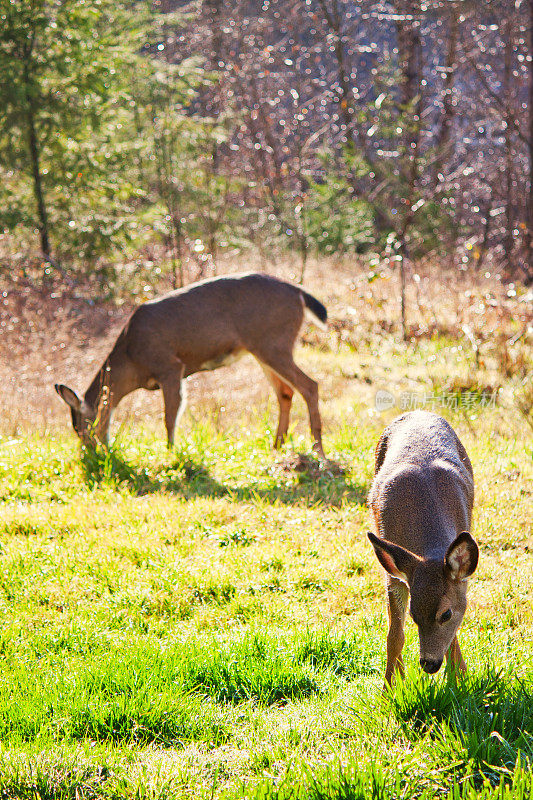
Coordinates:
[202,327]
[422,498]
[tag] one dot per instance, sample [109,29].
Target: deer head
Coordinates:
[437,588]
[84,416]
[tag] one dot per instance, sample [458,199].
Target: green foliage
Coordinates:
[406,208]
[350,227]
[382,192]
[66,63]
[101,110]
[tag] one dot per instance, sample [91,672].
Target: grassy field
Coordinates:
[210,622]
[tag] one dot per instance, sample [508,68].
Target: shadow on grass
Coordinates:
[487,719]
[187,478]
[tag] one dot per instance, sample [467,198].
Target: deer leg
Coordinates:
[284,393]
[289,373]
[170,382]
[397,593]
[454,658]
[173,399]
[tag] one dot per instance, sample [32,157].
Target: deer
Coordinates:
[204,326]
[422,498]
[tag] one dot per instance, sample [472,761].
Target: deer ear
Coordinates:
[69,396]
[461,557]
[395,560]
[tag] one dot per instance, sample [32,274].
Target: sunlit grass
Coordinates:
[210,622]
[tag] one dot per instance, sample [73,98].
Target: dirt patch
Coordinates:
[310,466]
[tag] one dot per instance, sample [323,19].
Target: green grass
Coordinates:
[78,687]
[489,716]
[210,623]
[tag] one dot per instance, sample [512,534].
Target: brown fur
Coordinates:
[202,327]
[422,498]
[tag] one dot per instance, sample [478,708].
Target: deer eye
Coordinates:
[446,616]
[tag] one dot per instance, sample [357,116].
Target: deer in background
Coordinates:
[422,498]
[202,327]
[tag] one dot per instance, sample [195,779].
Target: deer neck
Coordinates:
[100,396]
[430,534]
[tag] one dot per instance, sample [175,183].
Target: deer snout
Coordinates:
[430,666]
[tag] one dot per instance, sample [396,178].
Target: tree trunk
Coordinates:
[334,21]
[409,49]
[213,10]
[509,124]
[410,114]
[448,108]
[214,21]
[42,212]
[410,60]
[484,243]
[402,251]
[529,225]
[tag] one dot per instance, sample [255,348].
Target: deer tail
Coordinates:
[316,308]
